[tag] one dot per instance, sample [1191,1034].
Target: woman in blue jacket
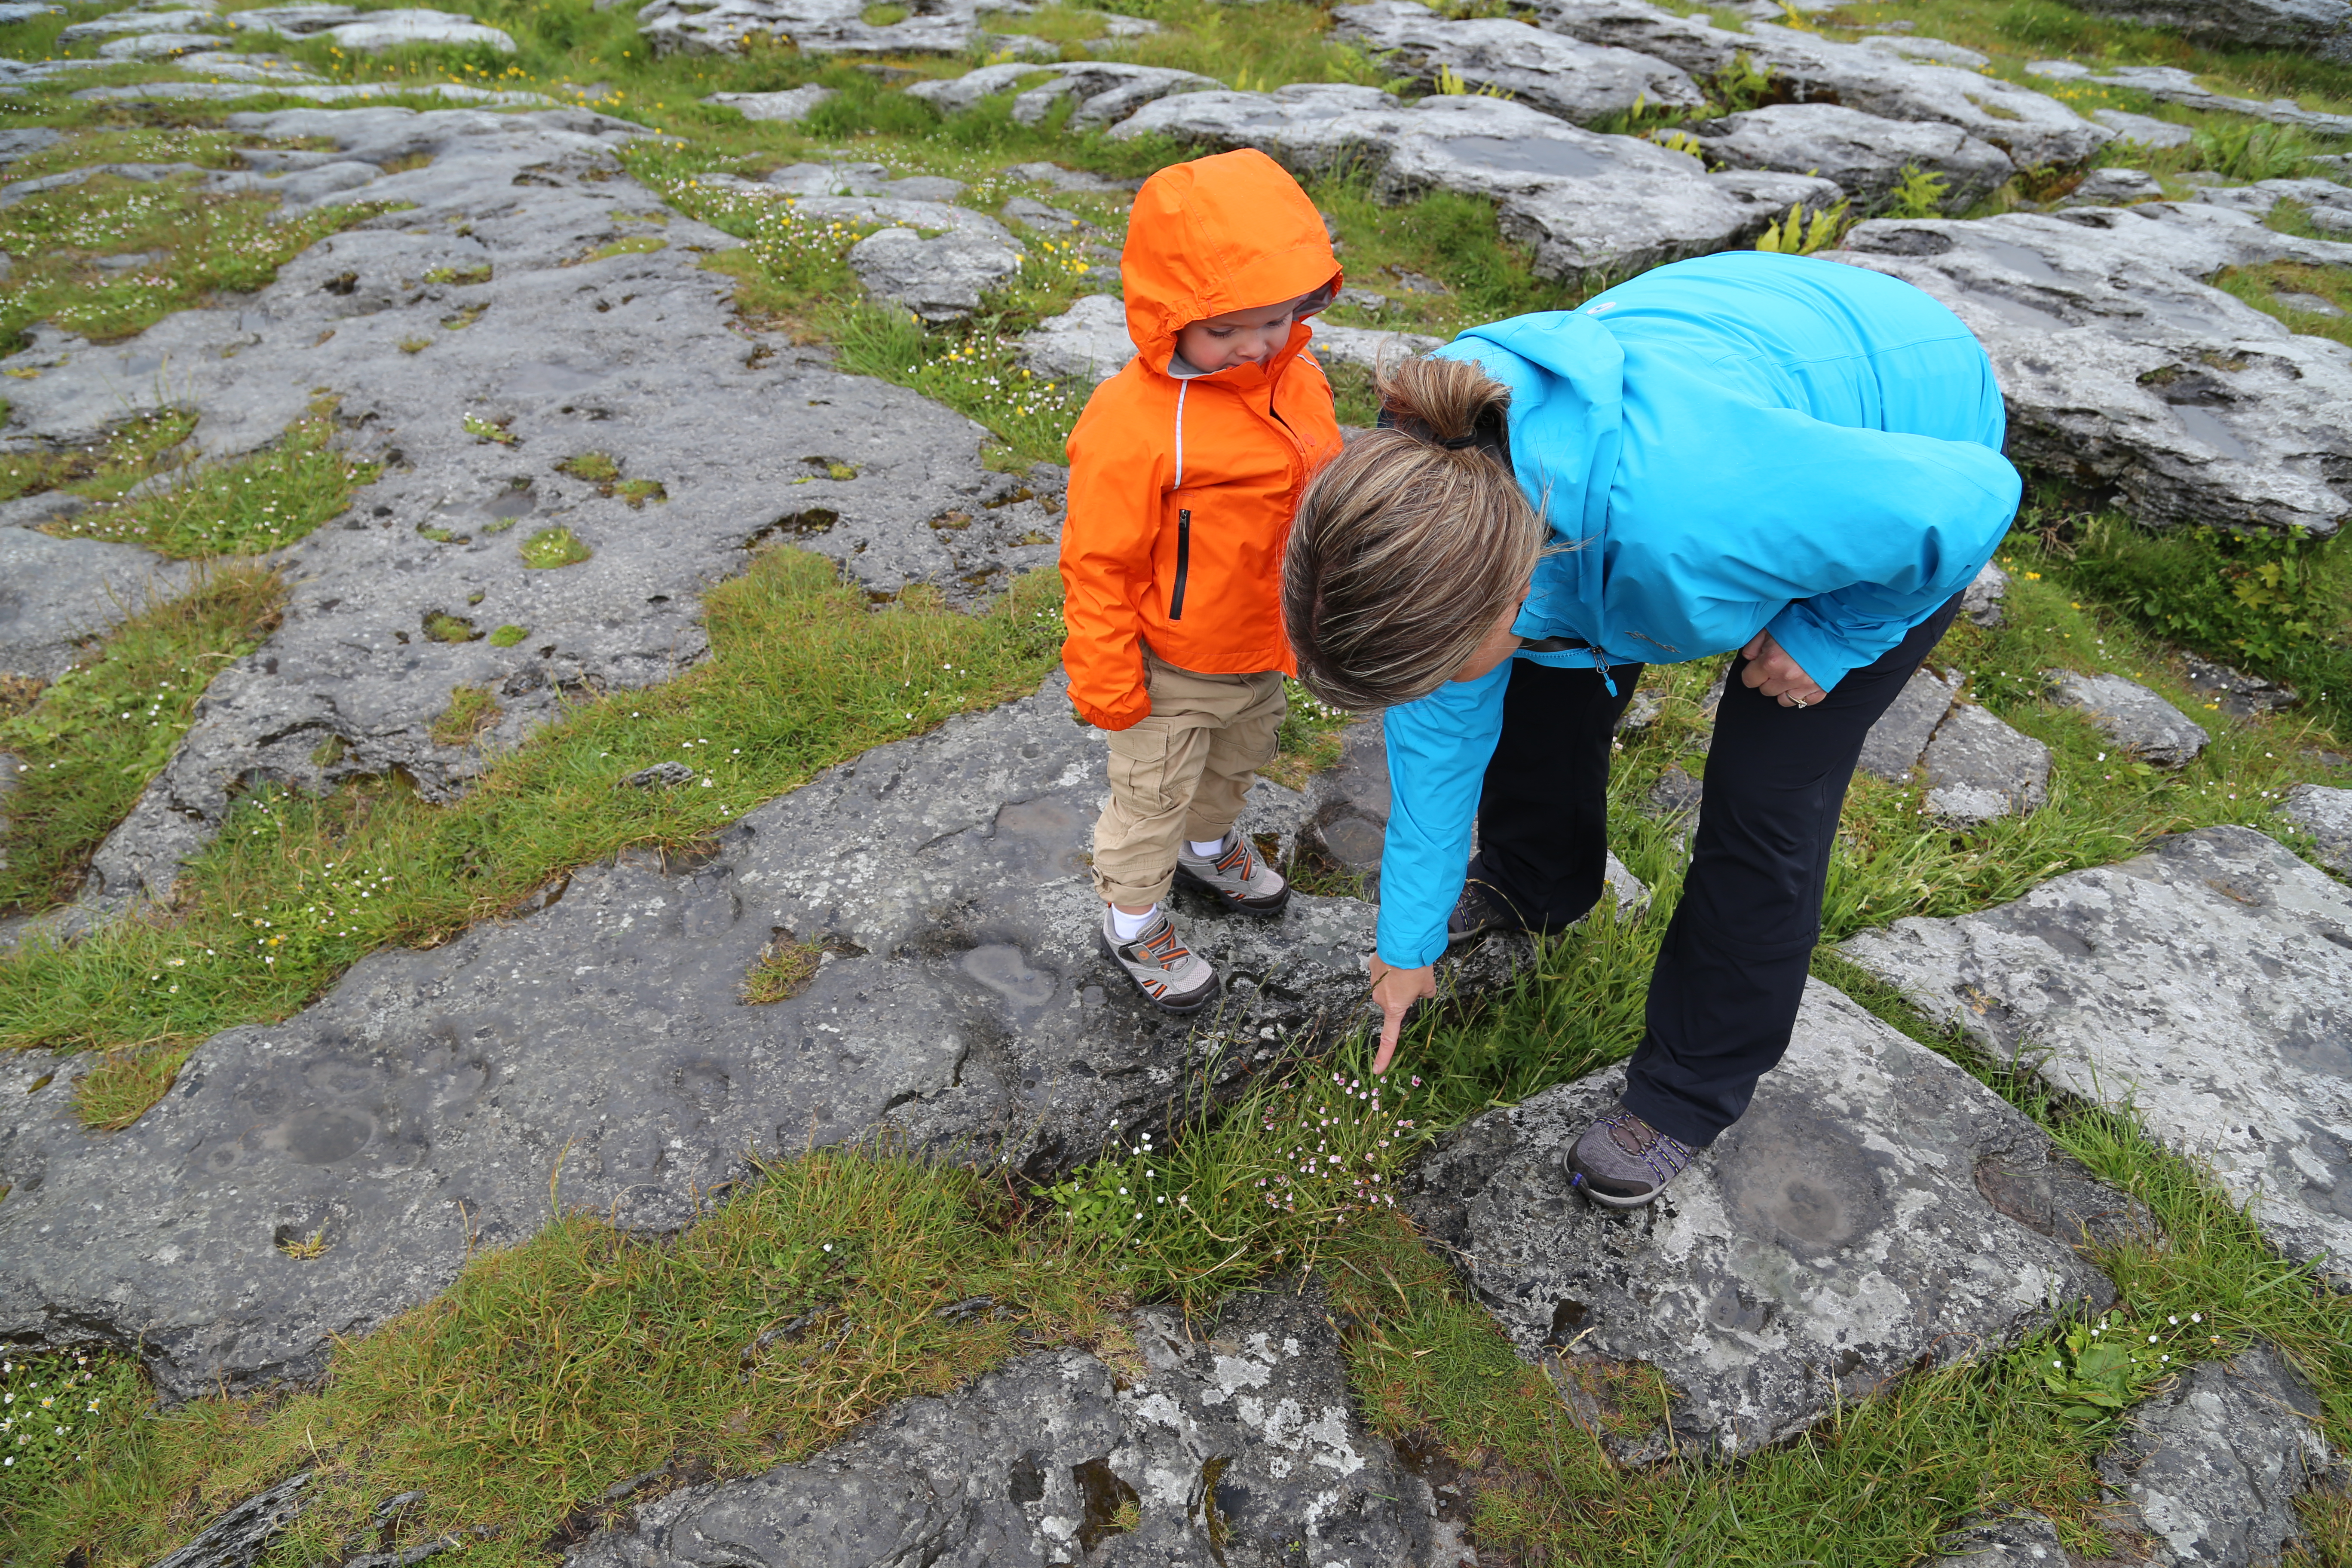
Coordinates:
[1782,456]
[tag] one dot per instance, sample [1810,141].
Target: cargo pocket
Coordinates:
[1138,769]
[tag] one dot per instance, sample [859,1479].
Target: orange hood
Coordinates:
[1225,233]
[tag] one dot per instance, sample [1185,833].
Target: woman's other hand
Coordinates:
[1394,991]
[1771,672]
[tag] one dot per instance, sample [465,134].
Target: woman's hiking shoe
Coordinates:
[1238,873]
[1174,977]
[1478,912]
[1623,1161]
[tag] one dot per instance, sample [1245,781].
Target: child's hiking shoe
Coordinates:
[1238,873]
[1623,1161]
[1174,977]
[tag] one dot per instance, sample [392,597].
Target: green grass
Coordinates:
[471,710]
[582,1357]
[106,468]
[202,245]
[98,733]
[803,675]
[552,548]
[244,507]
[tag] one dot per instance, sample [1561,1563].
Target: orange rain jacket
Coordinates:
[1182,490]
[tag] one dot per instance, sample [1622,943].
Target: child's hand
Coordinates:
[1394,991]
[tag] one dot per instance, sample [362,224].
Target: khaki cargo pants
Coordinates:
[1181,773]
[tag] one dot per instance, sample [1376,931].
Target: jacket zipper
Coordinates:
[1184,562]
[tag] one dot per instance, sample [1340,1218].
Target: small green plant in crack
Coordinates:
[636,493]
[782,970]
[508,635]
[596,467]
[464,318]
[631,244]
[471,710]
[488,431]
[461,276]
[255,503]
[552,547]
[884,15]
[304,1248]
[105,470]
[442,626]
[414,346]
[1919,194]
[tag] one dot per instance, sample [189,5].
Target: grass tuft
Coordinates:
[550,548]
[471,710]
[262,503]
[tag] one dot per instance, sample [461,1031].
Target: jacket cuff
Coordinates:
[1125,716]
[1823,656]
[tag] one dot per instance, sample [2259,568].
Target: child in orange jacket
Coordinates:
[1185,470]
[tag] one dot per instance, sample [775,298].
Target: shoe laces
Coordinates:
[1666,1157]
[1238,861]
[1162,948]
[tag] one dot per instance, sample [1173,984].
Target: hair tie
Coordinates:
[1459,442]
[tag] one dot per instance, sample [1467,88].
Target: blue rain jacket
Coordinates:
[1738,442]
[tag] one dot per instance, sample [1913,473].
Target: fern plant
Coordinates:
[1918,194]
[1797,234]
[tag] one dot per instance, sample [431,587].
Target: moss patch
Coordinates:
[552,547]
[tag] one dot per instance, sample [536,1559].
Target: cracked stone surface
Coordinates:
[1895,744]
[1578,82]
[1853,1224]
[2170,84]
[1980,769]
[2326,202]
[812,26]
[1106,90]
[55,593]
[2210,1470]
[2207,986]
[2234,691]
[2144,128]
[2014,1540]
[1581,201]
[2122,368]
[2033,128]
[433,1096]
[633,355]
[369,32]
[1981,600]
[2322,26]
[1234,1441]
[940,278]
[2131,716]
[1089,341]
[2326,815]
[1864,154]
[787,108]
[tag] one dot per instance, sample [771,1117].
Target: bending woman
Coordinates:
[1790,457]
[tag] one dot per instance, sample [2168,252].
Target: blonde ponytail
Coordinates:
[1409,544]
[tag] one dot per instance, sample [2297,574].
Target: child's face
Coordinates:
[1237,337]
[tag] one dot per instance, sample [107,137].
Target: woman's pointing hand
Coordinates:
[1394,991]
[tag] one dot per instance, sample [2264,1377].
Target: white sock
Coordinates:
[1128,927]
[1214,847]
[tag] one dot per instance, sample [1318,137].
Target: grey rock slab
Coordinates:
[2144,128]
[2326,815]
[2209,1468]
[1062,179]
[1581,201]
[1981,602]
[637,356]
[2131,715]
[812,26]
[239,1536]
[1106,90]
[127,22]
[381,30]
[2206,986]
[1866,154]
[2110,187]
[156,45]
[787,108]
[1238,1446]
[346,92]
[2033,128]
[2327,204]
[427,1101]
[18,191]
[2122,367]
[1980,769]
[2321,27]
[1895,744]
[26,11]
[2014,1540]
[940,278]
[1904,46]
[2234,691]
[1834,1237]
[1578,83]
[2170,84]
[220,67]
[56,593]
[25,141]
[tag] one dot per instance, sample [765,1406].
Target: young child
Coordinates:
[1185,470]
